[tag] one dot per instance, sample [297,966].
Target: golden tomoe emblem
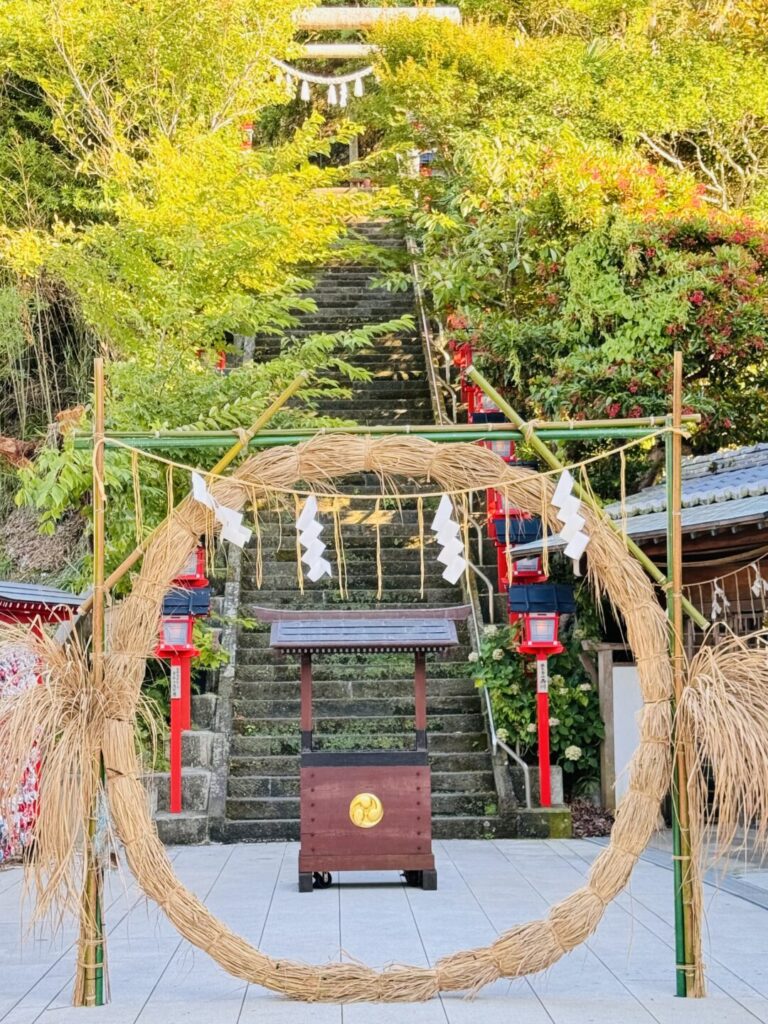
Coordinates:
[366,810]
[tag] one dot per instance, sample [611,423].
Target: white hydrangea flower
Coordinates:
[573,753]
[473,656]
[586,687]
[498,653]
[554,721]
[531,727]
[490,630]
[502,734]
[562,691]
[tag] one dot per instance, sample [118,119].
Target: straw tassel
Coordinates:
[343,93]
[332,97]
[420,514]
[299,566]
[359,86]
[306,93]
[379,573]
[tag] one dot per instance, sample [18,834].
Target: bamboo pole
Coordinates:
[89,988]
[336,51]
[552,460]
[687,927]
[554,430]
[324,19]
[244,439]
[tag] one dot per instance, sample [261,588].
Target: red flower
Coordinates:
[727,423]
[633,387]
[635,412]
[613,410]
[696,297]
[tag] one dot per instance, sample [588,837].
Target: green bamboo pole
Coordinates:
[548,456]
[687,927]
[189,440]
[89,988]
[681,975]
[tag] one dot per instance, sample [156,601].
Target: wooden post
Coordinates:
[89,985]
[420,698]
[306,701]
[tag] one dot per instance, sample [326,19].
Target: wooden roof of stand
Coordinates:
[394,631]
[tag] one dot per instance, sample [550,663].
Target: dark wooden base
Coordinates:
[400,841]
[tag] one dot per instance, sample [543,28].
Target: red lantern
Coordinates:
[504,449]
[193,571]
[176,635]
[540,631]
[246,136]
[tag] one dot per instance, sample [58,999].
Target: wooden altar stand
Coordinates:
[365,810]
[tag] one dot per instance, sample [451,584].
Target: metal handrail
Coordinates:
[438,406]
[435,385]
[489,585]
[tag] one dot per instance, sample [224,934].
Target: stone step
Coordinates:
[271,766]
[322,597]
[264,831]
[464,826]
[350,666]
[448,783]
[195,786]
[271,689]
[287,808]
[190,828]
[333,709]
[439,743]
[263,786]
[372,728]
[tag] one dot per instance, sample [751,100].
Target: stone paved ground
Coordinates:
[624,974]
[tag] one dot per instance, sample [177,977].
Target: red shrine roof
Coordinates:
[21,602]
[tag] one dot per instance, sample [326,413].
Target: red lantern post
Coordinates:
[540,639]
[176,644]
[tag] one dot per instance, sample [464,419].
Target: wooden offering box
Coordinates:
[366,810]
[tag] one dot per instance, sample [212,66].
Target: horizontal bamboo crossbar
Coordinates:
[554,431]
[336,51]
[324,19]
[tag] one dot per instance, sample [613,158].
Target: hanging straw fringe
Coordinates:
[379,573]
[299,566]
[420,517]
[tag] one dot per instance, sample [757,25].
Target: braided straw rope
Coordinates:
[523,949]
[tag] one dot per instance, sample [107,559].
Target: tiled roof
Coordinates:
[726,489]
[32,593]
[707,479]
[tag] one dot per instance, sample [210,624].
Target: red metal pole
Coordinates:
[176,731]
[186,691]
[542,718]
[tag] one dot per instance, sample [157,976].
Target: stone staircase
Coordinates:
[360,702]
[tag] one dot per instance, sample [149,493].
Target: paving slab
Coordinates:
[625,972]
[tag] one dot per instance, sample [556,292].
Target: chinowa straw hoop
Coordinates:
[523,949]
